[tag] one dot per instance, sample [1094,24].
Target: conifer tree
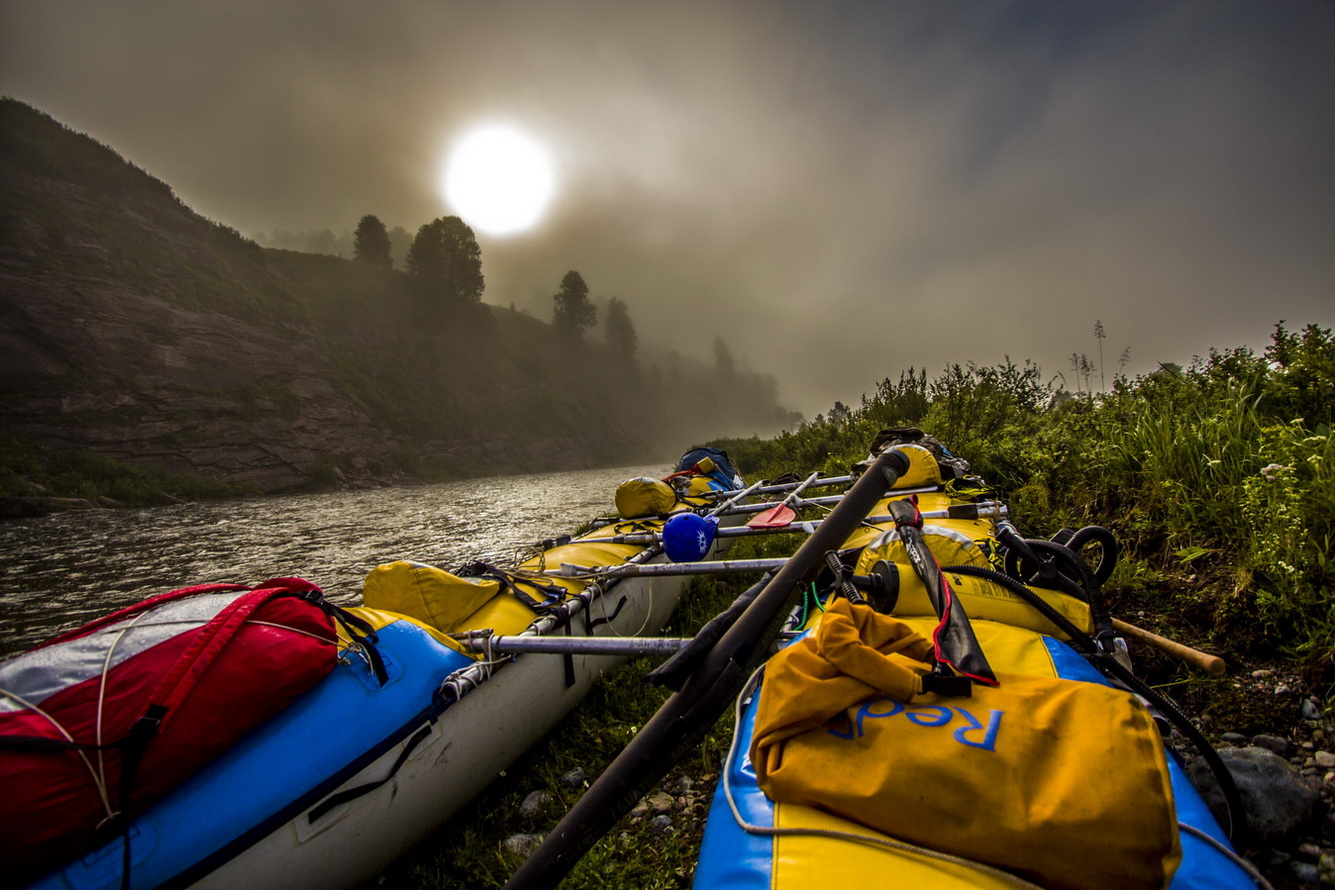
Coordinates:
[573,312]
[620,331]
[446,260]
[370,243]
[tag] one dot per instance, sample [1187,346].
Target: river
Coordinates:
[59,571]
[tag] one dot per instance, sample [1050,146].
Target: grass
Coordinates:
[28,469]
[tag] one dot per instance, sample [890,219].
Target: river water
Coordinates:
[59,571]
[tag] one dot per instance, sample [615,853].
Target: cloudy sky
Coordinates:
[840,190]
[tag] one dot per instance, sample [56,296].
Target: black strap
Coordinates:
[608,619]
[568,658]
[556,594]
[353,793]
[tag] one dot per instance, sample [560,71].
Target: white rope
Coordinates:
[295,630]
[1222,849]
[83,755]
[101,782]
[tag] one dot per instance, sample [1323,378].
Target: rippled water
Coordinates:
[59,571]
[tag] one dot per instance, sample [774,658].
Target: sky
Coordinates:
[840,190]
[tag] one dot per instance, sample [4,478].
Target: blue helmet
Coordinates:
[687,537]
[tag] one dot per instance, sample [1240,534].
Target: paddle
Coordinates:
[783,513]
[983,510]
[686,716]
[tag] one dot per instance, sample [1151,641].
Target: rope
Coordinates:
[1222,849]
[83,755]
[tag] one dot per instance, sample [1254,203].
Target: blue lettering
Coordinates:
[931,715]
[989,742]
[846,734]
[866,710]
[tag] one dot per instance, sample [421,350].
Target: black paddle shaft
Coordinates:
[686,716]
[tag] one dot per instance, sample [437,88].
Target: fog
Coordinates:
[840,190]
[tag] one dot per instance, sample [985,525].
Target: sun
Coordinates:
[498,179]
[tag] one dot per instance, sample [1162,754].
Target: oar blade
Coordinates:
[773,517]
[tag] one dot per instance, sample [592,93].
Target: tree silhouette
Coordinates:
[400,242]
[723,361]
[572,312]
[620,332]
[446,260]
[370,243]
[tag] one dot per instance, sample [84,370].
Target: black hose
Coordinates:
[1048,572]
[1106,541]
[1237,817]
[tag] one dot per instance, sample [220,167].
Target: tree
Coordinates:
[445,259]
[723,361]
[400,242]
[370,243]
[573,313]
[620,331]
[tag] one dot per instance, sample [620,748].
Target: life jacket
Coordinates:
[98,723]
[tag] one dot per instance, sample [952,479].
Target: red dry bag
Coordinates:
[100,722]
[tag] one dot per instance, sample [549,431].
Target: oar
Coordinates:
[686,716]
[660,569]
[1210,664]
[784,486]
[982,510]
[826,500]
[782,514]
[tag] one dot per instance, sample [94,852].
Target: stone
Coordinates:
[574,778]
[1306,872]
[1324,759]
[523,844]
[660,824]
[1262,674]
[682,785]
[1327,868]
[1310,709]
[1282,747]
[1276,799]
[1283,689]
[1235,738]
[533,804]
[661,802]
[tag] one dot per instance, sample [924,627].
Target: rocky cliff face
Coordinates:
[102,349]
[92,363]
[135,328]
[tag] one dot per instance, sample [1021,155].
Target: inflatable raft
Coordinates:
[406,727]
[950,707]
[1027,766]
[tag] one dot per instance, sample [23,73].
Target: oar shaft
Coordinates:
[1210,664]
[686,716]
[824,501]
[786,486]
[985,510]
[655,569]
[517,643]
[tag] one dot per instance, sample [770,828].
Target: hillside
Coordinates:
[136,329]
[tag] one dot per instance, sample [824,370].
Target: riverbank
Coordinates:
[1259,703]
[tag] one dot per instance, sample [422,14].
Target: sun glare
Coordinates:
[498,179]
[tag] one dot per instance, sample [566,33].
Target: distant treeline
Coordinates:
[1218,479]
[427,358]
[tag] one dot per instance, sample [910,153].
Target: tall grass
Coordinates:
[1221,472]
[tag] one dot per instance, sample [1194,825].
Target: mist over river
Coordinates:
[59,571]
